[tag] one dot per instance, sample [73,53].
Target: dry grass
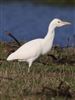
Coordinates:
[16,83]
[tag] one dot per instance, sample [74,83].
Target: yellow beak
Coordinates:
[66,23]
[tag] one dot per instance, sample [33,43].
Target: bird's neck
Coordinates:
[48,40]
[50,34]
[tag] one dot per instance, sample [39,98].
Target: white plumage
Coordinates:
[31,50]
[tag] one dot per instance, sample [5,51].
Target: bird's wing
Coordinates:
[28,50]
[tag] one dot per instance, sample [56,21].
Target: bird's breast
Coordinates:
[47,47]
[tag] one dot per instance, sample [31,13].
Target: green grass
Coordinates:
[16,83]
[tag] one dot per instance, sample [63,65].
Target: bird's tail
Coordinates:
[11,57]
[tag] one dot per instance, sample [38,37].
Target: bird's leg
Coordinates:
[19,66]
[30,63]
[28,69]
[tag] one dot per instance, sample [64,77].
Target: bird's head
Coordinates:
[58,23]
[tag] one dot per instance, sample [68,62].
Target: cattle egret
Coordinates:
[31,50]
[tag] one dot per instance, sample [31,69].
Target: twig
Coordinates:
[6,78]
[13,37]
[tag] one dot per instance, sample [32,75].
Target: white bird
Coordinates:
[31,50]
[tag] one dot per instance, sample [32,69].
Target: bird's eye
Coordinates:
[58,21]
